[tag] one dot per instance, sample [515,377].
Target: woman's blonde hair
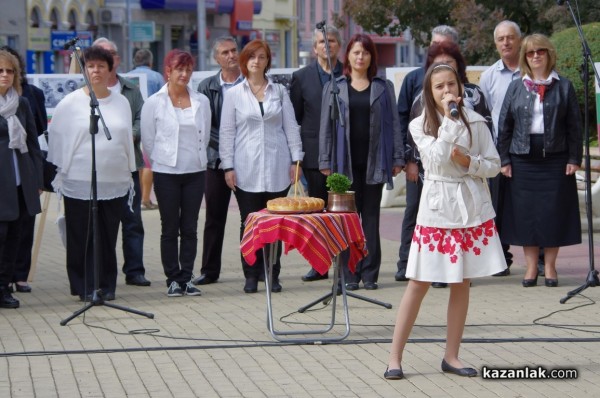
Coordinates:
[11,59]
[533,42]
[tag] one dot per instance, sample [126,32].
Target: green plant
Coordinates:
[338,183]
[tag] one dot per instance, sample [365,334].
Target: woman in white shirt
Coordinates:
[175,129]
[260,144]
[70,149]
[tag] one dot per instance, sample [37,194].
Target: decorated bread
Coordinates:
[299,205]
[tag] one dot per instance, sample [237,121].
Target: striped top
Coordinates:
[260,148]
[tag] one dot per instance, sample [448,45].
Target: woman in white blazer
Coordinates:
[175,132]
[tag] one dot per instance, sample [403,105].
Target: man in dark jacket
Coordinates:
[306,99]
[216,192]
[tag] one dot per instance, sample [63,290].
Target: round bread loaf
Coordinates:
[297,205]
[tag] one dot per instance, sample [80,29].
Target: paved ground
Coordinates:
[217,345]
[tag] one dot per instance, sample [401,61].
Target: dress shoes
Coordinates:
[400,277]
[506,272]
[393,374]
[439,285]
[371,285]
[204,280]
[6,299]
[110,296]
[276,286]
[530,282]
[550,282]
[138,280]
[23,288]
[466,372]
[313,275]
[352,286]
[251,285]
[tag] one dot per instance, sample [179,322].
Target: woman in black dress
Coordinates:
[540,146]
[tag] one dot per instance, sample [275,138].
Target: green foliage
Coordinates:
[338,183]
[569,63]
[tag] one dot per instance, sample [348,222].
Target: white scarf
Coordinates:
[9,104]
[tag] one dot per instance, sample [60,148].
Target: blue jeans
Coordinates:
[179,197]
[133,233]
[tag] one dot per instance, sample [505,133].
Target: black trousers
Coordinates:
[23,260]
[316,181]
[250,202]
[10,235]
[368,206]
[80,249]
[413,197]
[497,192]
[179,198]
[217,195]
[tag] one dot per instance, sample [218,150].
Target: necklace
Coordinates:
[257,90]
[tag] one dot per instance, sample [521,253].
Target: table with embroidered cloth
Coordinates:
[319,238]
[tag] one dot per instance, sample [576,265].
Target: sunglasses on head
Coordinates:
[539,51]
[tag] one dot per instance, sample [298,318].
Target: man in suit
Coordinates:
[132,227]
[216,192]
[306,99]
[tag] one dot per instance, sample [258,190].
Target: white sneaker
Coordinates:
[191,290]
[174,290]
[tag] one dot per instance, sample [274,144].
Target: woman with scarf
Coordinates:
[21,165]
[367,147]
[539,140]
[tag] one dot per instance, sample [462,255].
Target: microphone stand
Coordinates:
[335,116]
[592,276]
[95,115]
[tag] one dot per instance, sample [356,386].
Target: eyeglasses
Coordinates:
[539,51]
[7,71]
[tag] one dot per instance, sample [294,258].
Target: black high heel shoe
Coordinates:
[530,282]
[550,282]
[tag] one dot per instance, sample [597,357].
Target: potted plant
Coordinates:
[340,199]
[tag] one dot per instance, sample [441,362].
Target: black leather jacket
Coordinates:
[562,121]
[211,87]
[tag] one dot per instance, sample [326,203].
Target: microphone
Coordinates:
[321,24]
[453,109]
[71,43]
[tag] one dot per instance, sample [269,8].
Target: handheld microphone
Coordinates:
[453,109]
[321,24]
[71,43]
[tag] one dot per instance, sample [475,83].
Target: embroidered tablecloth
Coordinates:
[319,237]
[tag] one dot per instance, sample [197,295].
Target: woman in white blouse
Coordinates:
[260,144]
[70,149]
[175,129]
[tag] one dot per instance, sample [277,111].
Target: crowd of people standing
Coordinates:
[486,166]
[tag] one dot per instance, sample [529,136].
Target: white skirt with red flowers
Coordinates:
[451,255]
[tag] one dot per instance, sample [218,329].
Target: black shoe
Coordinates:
[467,372]
[251,285]
[87,298]
[370,285]
[352,286]
[393,374]
[110,296]
[506,272]
[204,280]
[313,275]
[550,282]
[23,288]
[138,280]
[276,286]
[529,282]
[439,284]
[400,277]
[7,300]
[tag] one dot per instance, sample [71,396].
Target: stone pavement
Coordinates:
[217,345]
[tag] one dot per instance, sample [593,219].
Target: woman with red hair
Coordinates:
[175,129]
[260,146]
